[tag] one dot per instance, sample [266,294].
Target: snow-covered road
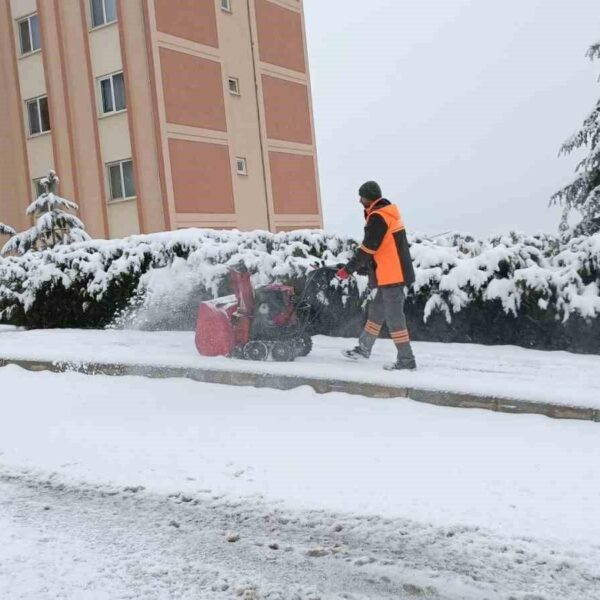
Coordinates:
[105,543]
[129,487]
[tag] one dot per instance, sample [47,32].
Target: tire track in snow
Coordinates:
[96,542]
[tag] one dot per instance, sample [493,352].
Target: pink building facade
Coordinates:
[159,114]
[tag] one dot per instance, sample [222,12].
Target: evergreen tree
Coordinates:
[583,194]
[54,224]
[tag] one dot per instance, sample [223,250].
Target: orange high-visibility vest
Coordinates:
[388,262]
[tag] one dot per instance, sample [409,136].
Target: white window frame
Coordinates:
[236,84]
[108,167]
[39,112]
[112,94]
[104,21]
[241,165]
[226,6]
[28,19]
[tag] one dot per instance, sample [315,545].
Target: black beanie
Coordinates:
[370,190]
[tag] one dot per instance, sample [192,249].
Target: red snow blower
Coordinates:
[256,324]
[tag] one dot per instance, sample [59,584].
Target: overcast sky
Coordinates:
[457,107]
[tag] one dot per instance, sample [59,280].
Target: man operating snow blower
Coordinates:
[384,255]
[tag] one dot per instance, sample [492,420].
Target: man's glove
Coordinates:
[342,274]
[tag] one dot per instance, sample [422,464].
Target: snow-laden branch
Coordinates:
[6,230]
[57,220]
[588,134]
[593,51]
[50,201]
[22,242]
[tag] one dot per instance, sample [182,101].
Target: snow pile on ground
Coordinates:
[160,487]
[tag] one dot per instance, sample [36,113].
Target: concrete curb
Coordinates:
[321,386]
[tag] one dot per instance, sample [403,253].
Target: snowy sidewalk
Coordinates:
[499,372]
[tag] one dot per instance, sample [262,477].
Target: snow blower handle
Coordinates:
[342,274]
[312,280]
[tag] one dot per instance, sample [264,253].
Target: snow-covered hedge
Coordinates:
[530,290]
[88,283]
[520,272]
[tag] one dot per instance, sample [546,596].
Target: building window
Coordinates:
[112,93]
[38,187]
[29,34]
[122,184]
[241,166]
[38,115]
[226,5]
[233,83]
[103,12]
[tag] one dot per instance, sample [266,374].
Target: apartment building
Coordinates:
[159,114]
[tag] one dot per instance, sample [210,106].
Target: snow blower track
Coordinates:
[503,379]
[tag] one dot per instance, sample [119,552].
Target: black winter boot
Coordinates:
[402,365]
[357,353]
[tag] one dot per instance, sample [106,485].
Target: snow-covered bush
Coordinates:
[54,224]
[88,283]
[529,290]
[515,270]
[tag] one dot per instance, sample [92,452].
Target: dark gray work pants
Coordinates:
[388,307]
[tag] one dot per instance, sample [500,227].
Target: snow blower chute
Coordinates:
[267,322]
